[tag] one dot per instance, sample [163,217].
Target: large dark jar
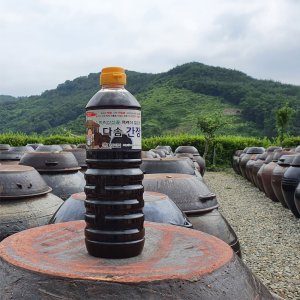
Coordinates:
[249,166]
[235,161]
[244,159]
[290,181]
[268,171]
[195,199]
[60,170]
[13,155]
[182,165]
[196,155]
[260,159]
[158,208]
[25,201]
[282,165]
[297,198]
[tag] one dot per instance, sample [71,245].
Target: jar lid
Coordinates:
[4,147]
[273,148]
[50,161]
[255,150]
[21,182]
[286,160]
[48,148]
[262,156]
[182,165]
[246,149]
[188,192]
[279,153]
[186,149]
[238,152]
[269,157]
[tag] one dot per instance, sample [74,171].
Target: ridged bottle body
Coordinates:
[114,190]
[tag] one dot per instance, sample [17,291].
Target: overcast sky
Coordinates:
[46,42]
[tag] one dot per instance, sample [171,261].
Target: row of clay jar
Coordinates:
[58,172]
[34,180]
[275,171]
[61,166]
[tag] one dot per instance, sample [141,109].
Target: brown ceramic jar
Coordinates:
[289,183]
[257,165]
[249,167]
[276,178]
[235,161]
[268,171]
[247,156]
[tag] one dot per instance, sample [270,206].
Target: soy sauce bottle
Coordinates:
[114,191]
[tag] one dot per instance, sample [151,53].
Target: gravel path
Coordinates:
[268,233]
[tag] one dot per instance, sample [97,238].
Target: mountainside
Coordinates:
[6,98]
[171,102]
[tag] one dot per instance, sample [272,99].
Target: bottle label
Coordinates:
[113,129]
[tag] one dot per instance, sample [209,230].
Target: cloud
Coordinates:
[44,43]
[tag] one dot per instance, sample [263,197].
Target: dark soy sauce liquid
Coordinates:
[114,191]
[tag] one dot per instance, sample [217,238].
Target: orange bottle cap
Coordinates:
[113,75]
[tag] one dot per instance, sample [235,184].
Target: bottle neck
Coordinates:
[113,86]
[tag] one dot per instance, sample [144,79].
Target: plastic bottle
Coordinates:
[114,190]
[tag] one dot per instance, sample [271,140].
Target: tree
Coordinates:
[209,124]
[283,117]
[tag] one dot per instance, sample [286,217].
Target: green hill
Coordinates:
[171,102]
[6,98]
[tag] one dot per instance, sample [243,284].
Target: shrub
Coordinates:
[293,141]
[225,146]
[21,139]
